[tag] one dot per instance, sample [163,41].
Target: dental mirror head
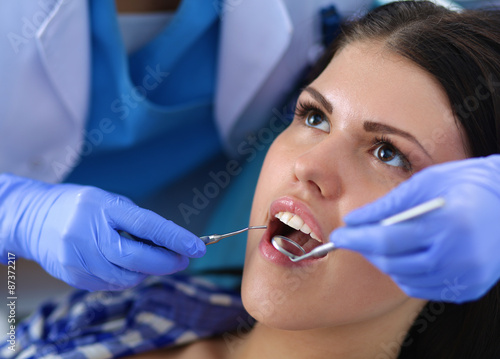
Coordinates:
[296,253]
[287,246]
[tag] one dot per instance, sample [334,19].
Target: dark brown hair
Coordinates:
[461,50]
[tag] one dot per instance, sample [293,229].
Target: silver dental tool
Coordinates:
[281,242]
[211,239]
[214,238]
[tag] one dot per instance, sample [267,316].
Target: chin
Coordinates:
[265,297]
[278,313]
[279,297]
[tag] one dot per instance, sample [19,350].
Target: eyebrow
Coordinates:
[370,126]
[320,98]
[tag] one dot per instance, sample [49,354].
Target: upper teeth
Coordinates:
[296,222]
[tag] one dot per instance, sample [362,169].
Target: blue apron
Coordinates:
[151,127]
[155,106]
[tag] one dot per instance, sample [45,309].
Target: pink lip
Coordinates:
[288,204]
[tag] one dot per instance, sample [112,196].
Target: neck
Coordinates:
[146,6]
[375,338]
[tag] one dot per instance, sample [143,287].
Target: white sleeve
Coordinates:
[265,47]
[45,75]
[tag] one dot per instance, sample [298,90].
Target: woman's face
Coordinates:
[366,124]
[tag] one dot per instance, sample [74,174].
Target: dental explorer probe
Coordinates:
[214,238]
[211,239]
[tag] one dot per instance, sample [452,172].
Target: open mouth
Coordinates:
[292,226]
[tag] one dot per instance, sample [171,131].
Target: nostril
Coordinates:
[315,187]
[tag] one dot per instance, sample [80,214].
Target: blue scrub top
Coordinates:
[151,127]
[151,119]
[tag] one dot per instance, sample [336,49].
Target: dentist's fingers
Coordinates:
[143,258]
[413,265]
[148,225]
[417,189]
[401,238]
[408,194]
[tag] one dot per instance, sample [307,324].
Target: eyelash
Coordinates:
[304,108]
[384,140]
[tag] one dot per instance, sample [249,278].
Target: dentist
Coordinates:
[138,99]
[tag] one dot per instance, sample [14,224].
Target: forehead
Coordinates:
[364,81]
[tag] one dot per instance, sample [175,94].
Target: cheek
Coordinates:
[270,178]
[275,172]
[279,155]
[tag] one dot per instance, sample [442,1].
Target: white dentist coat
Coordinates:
[45,62]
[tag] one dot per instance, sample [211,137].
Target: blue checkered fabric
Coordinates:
[160,312]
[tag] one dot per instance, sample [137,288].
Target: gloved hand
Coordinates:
[451,254]
[71,231]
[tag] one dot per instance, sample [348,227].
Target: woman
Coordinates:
[360,128]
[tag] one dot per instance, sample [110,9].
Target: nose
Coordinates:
[319,168]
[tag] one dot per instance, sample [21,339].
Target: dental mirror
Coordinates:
[296,253]
[287,246]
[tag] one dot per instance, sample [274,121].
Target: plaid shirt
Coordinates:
[160,312]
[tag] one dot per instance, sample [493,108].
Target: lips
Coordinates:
[293,219]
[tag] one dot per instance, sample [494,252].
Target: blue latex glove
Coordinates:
[71,231]
[451,254]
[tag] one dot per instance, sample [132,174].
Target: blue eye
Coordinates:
[390,156]
[316,119]
[310,115]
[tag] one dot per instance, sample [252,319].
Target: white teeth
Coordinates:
[285,217]
[296,222]
[305,228]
